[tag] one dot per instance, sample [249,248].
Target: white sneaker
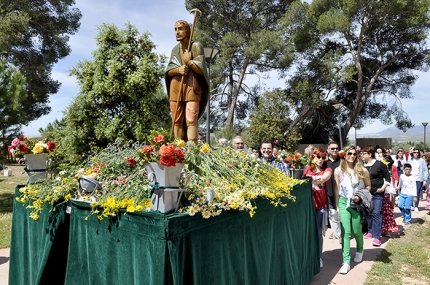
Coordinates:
[321,263]
[345,268]
[358,256]
[416,210]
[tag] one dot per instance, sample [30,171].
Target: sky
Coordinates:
[158,18]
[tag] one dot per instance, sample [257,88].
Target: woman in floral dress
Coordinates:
[388,222]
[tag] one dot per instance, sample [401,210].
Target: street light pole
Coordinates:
[210,54]
[355,133]
[425,125]
[338,106]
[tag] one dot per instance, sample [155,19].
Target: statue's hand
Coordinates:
[183,70]
[186,57]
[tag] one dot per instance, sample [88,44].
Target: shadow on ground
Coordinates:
[6,202]
[3,259]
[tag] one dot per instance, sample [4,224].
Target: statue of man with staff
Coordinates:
[187,83]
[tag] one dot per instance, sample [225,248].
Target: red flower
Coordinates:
[296,156]
[23,148]
[159,139]
[131,161]
[167,161]
[230,165]
[147,149]
[167,150]
[341,154]
[51,146]
[180,155]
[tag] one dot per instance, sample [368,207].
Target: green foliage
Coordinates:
[270,120]
[33,37]
[245,32]
[11,95]
[120,94]
[362,54]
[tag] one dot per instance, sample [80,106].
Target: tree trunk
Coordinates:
[235,94]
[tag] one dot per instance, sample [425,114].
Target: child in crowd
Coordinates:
[408,192]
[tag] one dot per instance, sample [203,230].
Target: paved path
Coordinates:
[332,258]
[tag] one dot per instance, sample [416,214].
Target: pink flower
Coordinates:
[15,142]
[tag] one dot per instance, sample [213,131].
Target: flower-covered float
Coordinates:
[215,180]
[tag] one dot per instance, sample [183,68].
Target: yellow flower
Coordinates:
[131,209]
[34,216]
[181,143]
[205,148]
[38,148]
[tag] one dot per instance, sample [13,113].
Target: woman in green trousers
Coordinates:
[349,177]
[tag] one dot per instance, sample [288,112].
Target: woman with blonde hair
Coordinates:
[350,178]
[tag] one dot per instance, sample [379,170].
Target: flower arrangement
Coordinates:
[167,154]
[294,160]
[117,168]
[235,178]
[24,145]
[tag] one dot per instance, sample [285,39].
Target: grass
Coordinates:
[405,260]
[7,192]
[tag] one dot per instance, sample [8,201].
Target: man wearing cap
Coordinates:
[256,151]
[277,147]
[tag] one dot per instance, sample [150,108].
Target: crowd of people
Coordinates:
[356,189]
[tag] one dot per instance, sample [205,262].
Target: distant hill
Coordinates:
[415,134]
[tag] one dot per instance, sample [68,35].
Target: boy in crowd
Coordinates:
[408,192]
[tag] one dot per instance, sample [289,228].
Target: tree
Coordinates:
[11,96]
[33,37]
[270,118]
[373,48]
[245,32]
[120,95]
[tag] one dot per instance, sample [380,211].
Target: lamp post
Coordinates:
[355,133]
[339,106]
[425,125]
[210,53]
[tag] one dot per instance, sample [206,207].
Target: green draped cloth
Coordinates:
[38,249]
[277,246]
